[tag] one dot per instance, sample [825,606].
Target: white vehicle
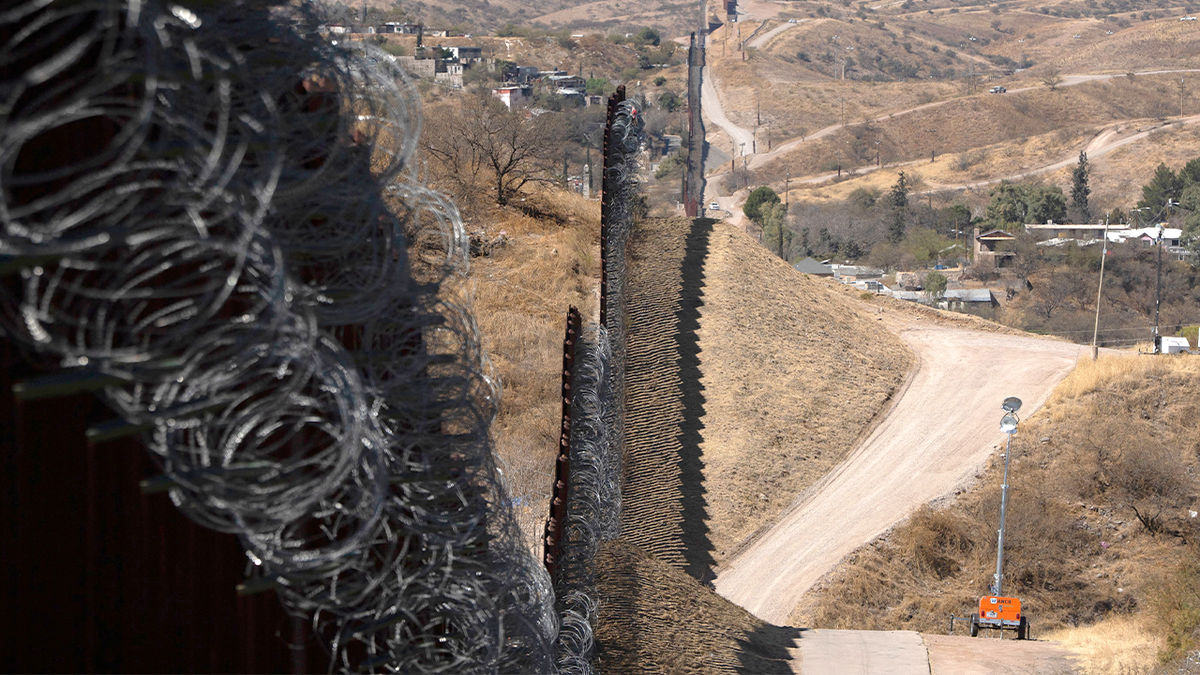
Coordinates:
[714,207]
[1188,18]
[1173,345]
[791,21]
[997,90]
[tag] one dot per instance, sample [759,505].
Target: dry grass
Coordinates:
[779,382]
[1103,479]
[522,291]
[1119,645]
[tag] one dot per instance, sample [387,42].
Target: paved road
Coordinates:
[938,435]
[862,652]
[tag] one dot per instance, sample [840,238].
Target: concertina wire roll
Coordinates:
[216,213]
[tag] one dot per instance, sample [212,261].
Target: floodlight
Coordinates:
[1011,404]
[1008,424]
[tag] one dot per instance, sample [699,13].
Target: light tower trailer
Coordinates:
[1000,613]
[997,611]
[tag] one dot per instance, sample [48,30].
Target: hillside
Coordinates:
[1103,482]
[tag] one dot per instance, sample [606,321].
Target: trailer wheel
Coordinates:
[974,625]
[1023,629]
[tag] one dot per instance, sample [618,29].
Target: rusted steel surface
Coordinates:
[555,523]
[606,196]
[99,577]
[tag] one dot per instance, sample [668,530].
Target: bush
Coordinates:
[660,81]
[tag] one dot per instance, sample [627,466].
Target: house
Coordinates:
[437,33]
[513,96]
[397,27]
[567,82]
[848,274]
[520,74]
[466,54]
[961,299]
[812,266]
[1083,233]
[993,249]
[453,75]
[420,68]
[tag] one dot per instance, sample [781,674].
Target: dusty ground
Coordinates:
[938,435]
[955,654]
[794,372]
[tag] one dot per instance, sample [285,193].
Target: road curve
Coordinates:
[710,103]
[1068,81]
[939,434]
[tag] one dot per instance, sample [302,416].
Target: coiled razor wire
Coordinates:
[597,416]
[214,213]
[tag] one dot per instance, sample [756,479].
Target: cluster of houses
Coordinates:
[448,68]
[993,250]
[393,27]
[517,90]
[905,288]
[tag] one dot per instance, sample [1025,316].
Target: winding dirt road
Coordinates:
[937,436]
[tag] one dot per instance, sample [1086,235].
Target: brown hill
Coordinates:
[1103,482]
[654,618]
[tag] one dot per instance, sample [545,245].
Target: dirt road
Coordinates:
[938,435]
[1068,81]
[710,103]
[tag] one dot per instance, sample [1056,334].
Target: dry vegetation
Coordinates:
[522,290]
[654,618]
[785,397]
[1099,527]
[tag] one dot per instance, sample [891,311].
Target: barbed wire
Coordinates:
[597,416]
[215,214]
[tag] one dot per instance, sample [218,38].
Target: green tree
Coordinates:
[1166,185]
[898,200]
[935,285]
[758,198]
[647,36]
[926,246]
[1080,189]
[669,101]
[598,86]
[777,236]
[1017,203]
[885,255]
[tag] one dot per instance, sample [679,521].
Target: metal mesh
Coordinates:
[215,214]
[596,433]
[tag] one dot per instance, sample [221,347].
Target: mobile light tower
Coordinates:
[995,610]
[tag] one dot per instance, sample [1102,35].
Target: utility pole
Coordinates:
[1181,97]
[1158,289]
[786,181]
[1100,287]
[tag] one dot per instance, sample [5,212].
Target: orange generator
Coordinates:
[1000,613]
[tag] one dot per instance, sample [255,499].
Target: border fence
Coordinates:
[216,261]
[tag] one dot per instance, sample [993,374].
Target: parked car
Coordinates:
[714,207]
[1187,18]
[997,90]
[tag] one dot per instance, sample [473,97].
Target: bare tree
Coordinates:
[475,140]
[1052,77]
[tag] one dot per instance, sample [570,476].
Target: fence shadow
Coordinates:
[694,507]
[766,650]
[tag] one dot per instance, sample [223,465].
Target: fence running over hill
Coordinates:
[693,171]
[586,504]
